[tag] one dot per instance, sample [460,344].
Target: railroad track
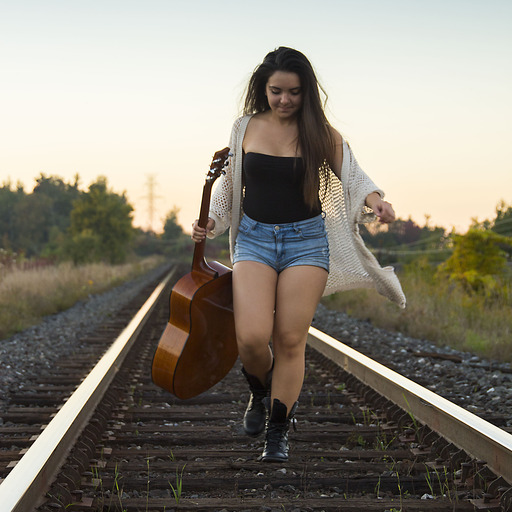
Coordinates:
[366,438]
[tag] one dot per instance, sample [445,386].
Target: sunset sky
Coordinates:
[138,89]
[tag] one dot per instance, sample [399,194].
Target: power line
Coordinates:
[398,249]
[405,253]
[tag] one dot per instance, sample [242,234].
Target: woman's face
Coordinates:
[284,94]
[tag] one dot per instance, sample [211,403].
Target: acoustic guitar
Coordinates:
[198,346]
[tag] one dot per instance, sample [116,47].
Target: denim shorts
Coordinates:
[283,245]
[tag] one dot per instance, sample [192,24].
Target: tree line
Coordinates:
[480,260]
[60,221]
[406,233]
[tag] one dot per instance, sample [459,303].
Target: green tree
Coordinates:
[478,260]
[83,247]
[105,219]
[10,197]
[29,221]
[174,239]
[502,224]
[60,197]
[146,243]
[31,224]
[172,230]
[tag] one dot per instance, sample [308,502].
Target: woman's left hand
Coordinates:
[382,209]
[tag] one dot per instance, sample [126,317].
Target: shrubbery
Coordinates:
[478,262]
[457,295]
[62,222]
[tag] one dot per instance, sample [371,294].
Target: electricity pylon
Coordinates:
[151,198]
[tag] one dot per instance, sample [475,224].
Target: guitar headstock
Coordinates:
[220,160]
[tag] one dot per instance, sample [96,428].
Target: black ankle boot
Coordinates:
[256,413]
[276,440]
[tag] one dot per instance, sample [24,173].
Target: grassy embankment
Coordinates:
[440,312]
[27,296]
[437,311]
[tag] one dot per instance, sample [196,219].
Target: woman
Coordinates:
[295,238]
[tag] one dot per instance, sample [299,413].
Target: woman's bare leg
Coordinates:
[299,290]
[254,296]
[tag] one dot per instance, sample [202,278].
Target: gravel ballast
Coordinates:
[24,355]
[480,386]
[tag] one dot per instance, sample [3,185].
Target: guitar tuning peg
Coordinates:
[230,154]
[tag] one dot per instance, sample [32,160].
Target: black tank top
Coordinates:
[274,189]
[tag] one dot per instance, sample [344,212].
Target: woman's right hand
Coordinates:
[199,234]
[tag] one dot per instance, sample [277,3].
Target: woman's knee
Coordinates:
[289,345]
[253,342]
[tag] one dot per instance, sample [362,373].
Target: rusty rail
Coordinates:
[477,437]
[32,475]
[26,483]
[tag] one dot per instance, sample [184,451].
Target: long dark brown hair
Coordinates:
[316,141]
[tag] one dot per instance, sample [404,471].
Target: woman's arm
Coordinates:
[222,197]
[382,209]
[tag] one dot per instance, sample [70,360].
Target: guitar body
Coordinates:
[198,347]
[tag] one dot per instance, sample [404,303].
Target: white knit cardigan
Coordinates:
[351,264]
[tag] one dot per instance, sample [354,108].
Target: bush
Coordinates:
[444,311]
[478,262]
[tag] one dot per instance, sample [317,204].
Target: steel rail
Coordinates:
[477,437]
[29,480]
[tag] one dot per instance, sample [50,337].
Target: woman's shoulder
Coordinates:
[337,140]
[244,118]
[336,136]
[241,121]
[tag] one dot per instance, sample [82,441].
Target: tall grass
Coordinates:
[439,311]
[26,296]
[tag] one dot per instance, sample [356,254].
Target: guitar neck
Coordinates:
[199,262]
[218,163]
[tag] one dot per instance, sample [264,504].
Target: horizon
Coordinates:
[129,91]
[426,221]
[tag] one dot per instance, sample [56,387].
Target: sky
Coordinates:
[146,91]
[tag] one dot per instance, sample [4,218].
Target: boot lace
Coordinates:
[276,435]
